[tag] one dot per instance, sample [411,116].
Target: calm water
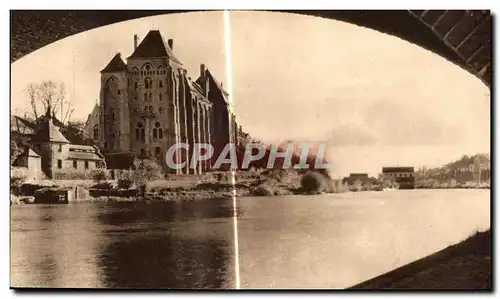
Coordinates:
[123,245]
[328,241]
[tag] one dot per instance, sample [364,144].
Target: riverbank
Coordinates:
[463,266]
[271,183]
[267,183]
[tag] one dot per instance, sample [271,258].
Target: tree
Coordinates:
[15,151]
[477,169]
[146,170]
[74,132]
[387,181]
[312,182]
[49,94]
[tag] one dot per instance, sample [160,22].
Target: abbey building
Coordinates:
[149,103]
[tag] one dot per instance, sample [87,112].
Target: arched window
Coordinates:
[139,132]
[150,109]
[160,83]
[148,83]
[148,96]
[96,132]
[136,85]
[160,110]
[160,97]
[157,131]
[146,69]
[143,152]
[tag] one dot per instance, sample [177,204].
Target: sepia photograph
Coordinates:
[251,149]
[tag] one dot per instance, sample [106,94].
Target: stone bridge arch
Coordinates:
[460,36]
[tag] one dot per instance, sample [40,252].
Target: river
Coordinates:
[324,241]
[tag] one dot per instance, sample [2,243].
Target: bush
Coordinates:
[357,186]
[312,182]
[124,174]
[71,174]
[103,186]
[145,171]
[124,183]
[99,175]
[18,175]
[335,186]
[262,190]
[15,151]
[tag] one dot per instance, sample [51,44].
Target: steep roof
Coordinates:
[94,113]
[216,83]
[153,45]
[22,126]
[32,153]
[48,132]
[115,65]
[27,151]
[195,87]
[84,156]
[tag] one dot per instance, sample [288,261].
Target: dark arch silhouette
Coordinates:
[461,36]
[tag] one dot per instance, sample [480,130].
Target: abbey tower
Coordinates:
[149,104]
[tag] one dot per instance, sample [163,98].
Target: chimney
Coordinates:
[171,44]
[204,79]
[202,72]
[136,41]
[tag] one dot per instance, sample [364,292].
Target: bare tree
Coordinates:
[49,94]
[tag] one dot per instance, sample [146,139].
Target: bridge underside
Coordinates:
[463,37]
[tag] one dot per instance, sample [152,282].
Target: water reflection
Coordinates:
[152,253]
[121,245]
[330,241]
[339,240]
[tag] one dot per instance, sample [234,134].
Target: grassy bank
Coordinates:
[463,266]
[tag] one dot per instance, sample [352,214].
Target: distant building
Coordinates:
[32,161]
[363,178]
[91,128]
[47,150]
[404,176]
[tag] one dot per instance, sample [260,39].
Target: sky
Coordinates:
[375,99]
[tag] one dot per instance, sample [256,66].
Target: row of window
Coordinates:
[148,96]
[140,133]
[75,164]
[148,84]
[401,175]
[147,69]
[149,109]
